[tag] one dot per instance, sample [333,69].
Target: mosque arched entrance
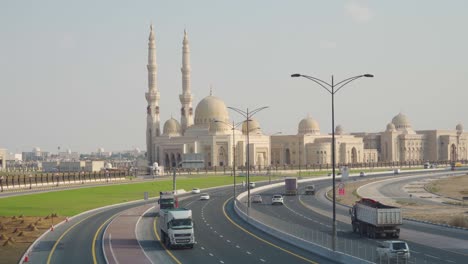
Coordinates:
[453,152]
[353,155]
[222,156]
[287,156]
[167,161]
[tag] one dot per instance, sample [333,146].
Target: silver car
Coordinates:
[257,198]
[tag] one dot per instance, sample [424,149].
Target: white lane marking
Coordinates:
[221,236]
[136,233]
[187,205]
[229,241]
[112,250]
[262,260]
[211,254]
[249,253]
[237,246]
[202,248]
[412,251]
[431,256]
[211,227]
[450,261]
[221,261]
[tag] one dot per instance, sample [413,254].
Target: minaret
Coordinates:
[152,97]
[186,112]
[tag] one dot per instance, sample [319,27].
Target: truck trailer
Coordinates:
[176,228]
[290,186]
[372,218]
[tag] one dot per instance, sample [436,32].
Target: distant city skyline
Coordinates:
[74,74]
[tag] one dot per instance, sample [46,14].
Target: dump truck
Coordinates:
[372,218]
[176,228]
[290,185]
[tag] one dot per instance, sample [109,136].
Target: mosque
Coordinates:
[208,133]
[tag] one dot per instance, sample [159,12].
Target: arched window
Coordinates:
[287,156]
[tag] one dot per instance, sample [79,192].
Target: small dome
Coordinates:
[401,121]
[171,127]
[209,109]
[69,151]
[36,149]
[339,130]
[308,126]
[100,150]
[219,127]
[459,127]
[391,127]
[254,126]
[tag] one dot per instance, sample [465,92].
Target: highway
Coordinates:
[224,238]
[221,237]
[73,242]
[428,243]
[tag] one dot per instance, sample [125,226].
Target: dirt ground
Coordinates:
[18,232]
[452,214]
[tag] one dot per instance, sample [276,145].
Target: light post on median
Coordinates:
[248,115]
[333,88]
[233,128]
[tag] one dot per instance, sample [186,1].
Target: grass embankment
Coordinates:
[72,202]
[24,218]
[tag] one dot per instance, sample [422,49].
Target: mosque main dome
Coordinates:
[308,125]
[401,121]
[209,109]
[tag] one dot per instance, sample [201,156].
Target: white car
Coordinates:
[204,196]
[195,190]
[362,174]
[393,249]
[277,199]
[257,198]
[251,185]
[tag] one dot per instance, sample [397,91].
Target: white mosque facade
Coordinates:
[208,132]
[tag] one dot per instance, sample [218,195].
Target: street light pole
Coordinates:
[233,128]
[247,116]
[330,87]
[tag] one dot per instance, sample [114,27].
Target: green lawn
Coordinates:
[72,202]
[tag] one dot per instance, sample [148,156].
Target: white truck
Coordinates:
[372,218]
[176,228]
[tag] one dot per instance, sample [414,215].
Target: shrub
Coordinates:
[459,220]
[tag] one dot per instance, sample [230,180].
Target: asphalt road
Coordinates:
[73,242]
[222,237]
[437,242]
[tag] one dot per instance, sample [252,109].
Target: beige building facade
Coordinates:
[207,131]
[400,143]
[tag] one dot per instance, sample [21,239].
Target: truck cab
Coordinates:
[176,228]
[167,200]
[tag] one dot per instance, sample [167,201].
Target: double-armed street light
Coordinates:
[233,128]
[248,115]
[333,88]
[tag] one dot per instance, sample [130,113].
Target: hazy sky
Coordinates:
[74,74]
